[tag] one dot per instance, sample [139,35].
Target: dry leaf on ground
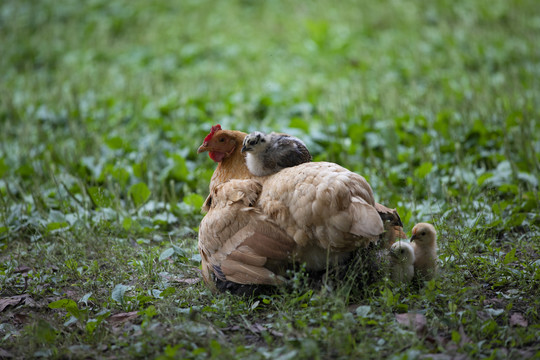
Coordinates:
[517,319]
[415,321]
[15,300]
[122,317]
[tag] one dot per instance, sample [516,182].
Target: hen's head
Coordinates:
[402,252]
[221,144]
[424,234]
[255,142]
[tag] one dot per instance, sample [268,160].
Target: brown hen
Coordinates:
[315,213]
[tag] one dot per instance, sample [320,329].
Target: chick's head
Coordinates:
[255,142]
[424,234]
[402,252]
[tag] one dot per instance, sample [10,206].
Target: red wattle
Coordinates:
[216,156]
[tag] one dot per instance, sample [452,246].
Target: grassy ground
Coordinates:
[103,105]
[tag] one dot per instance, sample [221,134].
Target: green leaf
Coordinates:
[149,312]
[389,296]
[194,200]
[127,223]
[510,257]
[55,226]
[423,170]
[456,337]
[115,142]
[179,170]
[298,123]
[171,290]
[100,197]
[166,254]
[25,171]
[45,332]
[215,348]
[121,175]
[119,292]
[139,169]
[179,251]
[103,314]
[85,298]
[483,178]
[516,219]
[91,325]
[67,304]
[139,194]
[3,167]
[62,304]
[72,320]
[363,311]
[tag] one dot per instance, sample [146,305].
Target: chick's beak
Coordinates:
[413,238]
[203,148]
[243,149]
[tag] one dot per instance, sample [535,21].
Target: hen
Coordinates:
[314,213]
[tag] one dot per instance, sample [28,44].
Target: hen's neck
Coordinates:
[232,167]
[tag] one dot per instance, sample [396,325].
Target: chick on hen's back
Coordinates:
[270,153]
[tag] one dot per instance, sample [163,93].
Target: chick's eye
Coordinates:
[423,233]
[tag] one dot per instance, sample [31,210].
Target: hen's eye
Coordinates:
[221,139]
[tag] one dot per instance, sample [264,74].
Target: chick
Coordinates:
[269,153]
[401,262]
[424,243]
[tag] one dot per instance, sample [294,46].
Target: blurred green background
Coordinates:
[104,103]
[426,99]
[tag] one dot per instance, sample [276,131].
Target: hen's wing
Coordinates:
[235,242]
[322,206]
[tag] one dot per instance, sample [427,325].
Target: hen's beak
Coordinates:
[203,148]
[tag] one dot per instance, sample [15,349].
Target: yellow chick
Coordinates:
[401,262]
[424,243]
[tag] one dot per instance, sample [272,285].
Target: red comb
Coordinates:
[212,132]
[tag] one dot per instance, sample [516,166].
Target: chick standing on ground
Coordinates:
[424,243]
[269,153]
[401,262]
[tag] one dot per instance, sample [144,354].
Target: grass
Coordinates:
[103,105]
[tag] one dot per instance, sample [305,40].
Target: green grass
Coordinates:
[104,103]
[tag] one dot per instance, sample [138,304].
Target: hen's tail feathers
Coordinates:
[367,222]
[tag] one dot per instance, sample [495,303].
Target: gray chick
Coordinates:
[269,153]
